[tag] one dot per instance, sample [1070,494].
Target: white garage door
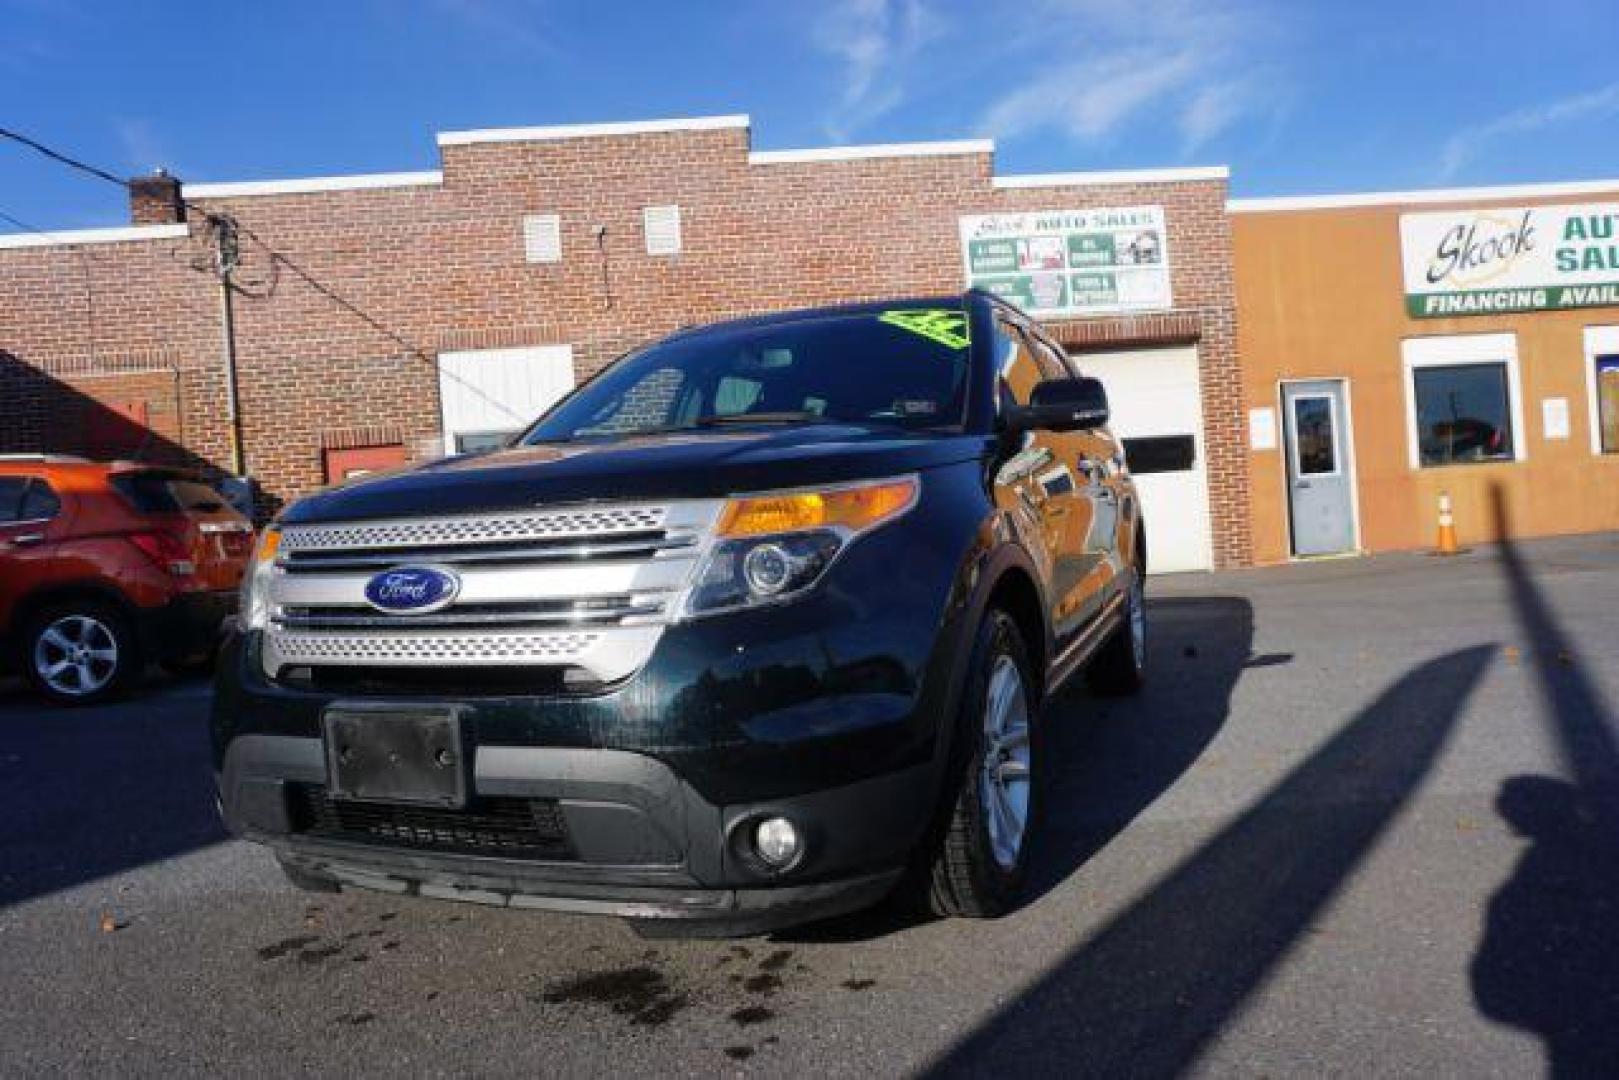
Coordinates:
[1158,412]
[488,394]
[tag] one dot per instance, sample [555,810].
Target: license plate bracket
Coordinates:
[397,754]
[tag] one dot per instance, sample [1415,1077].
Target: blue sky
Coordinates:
[1297,97]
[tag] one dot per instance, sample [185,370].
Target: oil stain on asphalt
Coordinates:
[641,994]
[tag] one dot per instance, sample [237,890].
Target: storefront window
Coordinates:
[1464,413]
[1608,402]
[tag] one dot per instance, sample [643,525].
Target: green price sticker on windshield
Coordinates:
[948,328]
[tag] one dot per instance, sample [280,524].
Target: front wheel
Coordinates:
[978,868]
[79,653]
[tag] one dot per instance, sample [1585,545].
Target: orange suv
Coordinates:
[105,567]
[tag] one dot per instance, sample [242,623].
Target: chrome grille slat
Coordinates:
[570,581]
[319,562]
[517,616]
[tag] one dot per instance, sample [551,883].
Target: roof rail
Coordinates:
[47,459]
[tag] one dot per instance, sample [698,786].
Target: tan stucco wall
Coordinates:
[1319,295]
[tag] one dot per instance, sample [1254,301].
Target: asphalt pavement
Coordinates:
[1363,821]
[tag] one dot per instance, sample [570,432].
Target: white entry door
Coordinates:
[1158,412]
[489,394]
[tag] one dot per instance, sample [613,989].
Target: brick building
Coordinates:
[455,304]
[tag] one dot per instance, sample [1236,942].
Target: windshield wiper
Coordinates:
[761,418]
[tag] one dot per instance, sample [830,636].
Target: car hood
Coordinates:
[675,465]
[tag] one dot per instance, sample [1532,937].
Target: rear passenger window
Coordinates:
[11,493]
[39,502]
[163,493]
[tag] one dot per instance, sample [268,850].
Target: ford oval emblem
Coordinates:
[412,590]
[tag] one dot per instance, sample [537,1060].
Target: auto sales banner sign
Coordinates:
[1507,259]
[1071,262]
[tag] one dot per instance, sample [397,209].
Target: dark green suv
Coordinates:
[752,628]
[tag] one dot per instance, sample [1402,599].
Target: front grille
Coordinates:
[414,646]
[484,529]
[586,589]
[494,826]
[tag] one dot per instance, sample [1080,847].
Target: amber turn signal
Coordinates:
[856,508]
[269,544]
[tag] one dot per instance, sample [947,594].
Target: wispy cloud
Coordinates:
[143,150]
[1201,67]
[523,24]
[874,43]
[1463,147]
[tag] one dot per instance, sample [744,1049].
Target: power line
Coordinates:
[276,257]
[58,156]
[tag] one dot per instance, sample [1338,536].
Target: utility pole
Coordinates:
[227,256]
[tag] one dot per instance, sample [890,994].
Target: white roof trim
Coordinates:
[94,236]
[308,184]
[1115,176]
[873,150]
[1435,195]
[588,131]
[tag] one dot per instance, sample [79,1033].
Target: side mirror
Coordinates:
[1062,405]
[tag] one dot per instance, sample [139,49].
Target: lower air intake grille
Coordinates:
[499,827]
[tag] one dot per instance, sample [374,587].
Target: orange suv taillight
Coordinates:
[166,551]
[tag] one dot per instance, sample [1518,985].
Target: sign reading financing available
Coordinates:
[1504,259]
[1071,262]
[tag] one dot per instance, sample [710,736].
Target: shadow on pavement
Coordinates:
[90,792]
[1107,759]
[1549,960]
[1149,991]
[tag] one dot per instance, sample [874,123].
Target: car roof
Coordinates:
[81,474]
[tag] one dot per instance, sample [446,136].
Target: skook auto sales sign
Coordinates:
[1506,259]
[1071,262]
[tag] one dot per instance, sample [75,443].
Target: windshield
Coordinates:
[906,367]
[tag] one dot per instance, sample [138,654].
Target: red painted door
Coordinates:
[361,461]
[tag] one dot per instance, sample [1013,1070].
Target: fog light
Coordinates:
[768,569]
[776,842]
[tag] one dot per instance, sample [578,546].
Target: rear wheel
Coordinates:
[79,653]
[1120,666]
[978,868]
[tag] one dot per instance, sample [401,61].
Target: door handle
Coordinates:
[1302,485]
[28,539]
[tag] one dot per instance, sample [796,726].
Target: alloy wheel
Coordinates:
[1005,783]
[76,655]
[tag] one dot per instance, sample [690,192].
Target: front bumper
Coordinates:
[641,843]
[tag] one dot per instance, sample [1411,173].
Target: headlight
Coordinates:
[775,546]
[254,607]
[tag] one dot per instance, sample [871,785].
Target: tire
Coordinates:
[978,866]
[1120,666]
[79,653]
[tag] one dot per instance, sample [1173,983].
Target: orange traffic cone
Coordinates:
[1447,528]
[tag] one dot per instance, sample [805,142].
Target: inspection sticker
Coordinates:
[948,328]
